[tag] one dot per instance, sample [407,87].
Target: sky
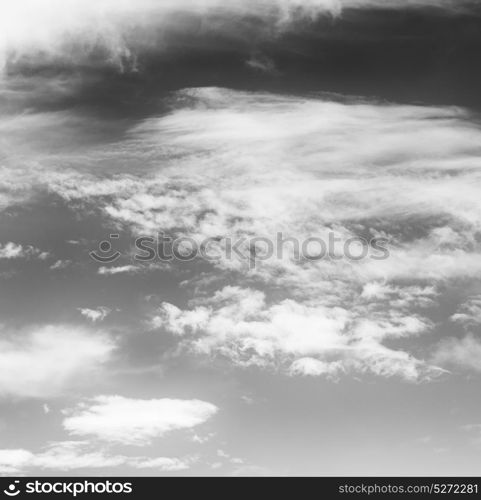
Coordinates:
[220,124]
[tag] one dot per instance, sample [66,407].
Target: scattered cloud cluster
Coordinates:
[236,164]
[308,339]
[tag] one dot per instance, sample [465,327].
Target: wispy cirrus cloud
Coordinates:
[80,455]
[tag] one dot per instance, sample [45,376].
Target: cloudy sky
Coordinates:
[209,119]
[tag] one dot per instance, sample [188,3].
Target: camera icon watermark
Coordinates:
[105,253]
[12,489]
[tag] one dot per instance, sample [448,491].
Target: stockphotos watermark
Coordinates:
[73,488]
[251,250]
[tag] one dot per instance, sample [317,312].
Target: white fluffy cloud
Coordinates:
[108,271]
[459,353]
[135,421]
[46,361]
[12,461]
[74,455]
[165,464]
[97,314]
[12,250]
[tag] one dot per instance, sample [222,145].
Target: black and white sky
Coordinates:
[240,119]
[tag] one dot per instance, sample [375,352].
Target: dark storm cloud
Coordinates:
[405,51]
